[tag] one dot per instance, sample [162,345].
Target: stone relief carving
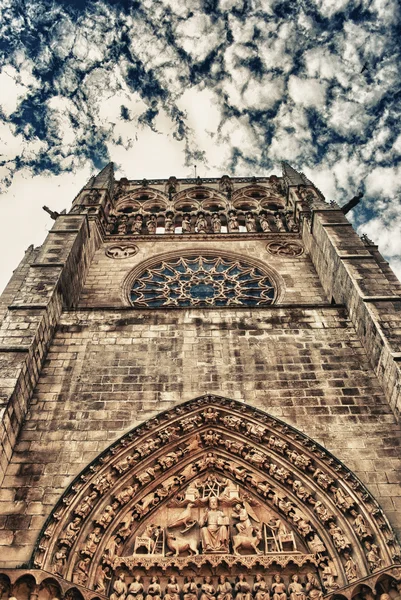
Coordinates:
[285,249]
[250,492]
[121,251]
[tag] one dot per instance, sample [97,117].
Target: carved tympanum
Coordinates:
[214,483]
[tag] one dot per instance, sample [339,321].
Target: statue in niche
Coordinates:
[242,588]
[361,528]
[250,222]
[102,578]
[372,556]
[279,591]
[224,589]
[292,226]
[83,509]
[214,528]
[136,589]
[70,533]
[172,589]
[119,588]
[154,590]
[350,567]
[111,224]
[151,225]
[296,589]
[264,223]
[208,591]
[260,589]
[186,224]
[201,223]
[81,571]
[313,587]
[279,222]
[59,561]
[137,225]
[169,223]
[92,542]
[122,225]
[233,225]
[216,223]
[340,540]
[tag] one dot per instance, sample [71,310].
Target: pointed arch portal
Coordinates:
[210,488]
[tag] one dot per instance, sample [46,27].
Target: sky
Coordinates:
[231,86]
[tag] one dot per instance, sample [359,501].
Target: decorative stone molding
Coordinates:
[282,248]
[144,504]
[121,251]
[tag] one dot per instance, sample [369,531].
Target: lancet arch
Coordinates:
[215,486]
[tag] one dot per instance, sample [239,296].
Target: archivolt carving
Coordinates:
[214,484]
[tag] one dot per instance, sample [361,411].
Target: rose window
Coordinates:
[201,281]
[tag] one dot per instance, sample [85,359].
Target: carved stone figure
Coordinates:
[125,526]
[322,478]
[103,483]
[361,528]
[92,542]
[341,499]
[137,225]
[250,222]
[350,567]
[242,588]
[102,578]
[264,223]
[70,533]
[108,515]
[313,587]
[119,588]
[172,589]
[122,225]
[233,225]
[208,591]
[186,225]
[81,570]
[322,512]
[300,491]
[260,589]
[178,544]
[185,518]
[316,545]
[214,528]
[216,223]
[136,589]
[111,548]
[291,224]
[125,464]
[279,591]
[224,589]
[83,509]
[201,223]
[340,540]
[279,222]
[111,224]
[296,589]
[127,493]
[169,223]
[329,574]
[59,561]
[372,555]
[151,224]
[154,590]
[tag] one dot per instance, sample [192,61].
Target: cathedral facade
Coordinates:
[200,394]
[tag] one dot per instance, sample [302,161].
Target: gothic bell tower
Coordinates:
[200,399]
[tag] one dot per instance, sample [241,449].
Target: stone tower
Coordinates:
[200,399]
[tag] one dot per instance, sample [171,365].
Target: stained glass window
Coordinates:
[201,281]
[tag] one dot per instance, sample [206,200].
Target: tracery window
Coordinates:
[201,281]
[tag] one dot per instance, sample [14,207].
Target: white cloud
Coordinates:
[307,92]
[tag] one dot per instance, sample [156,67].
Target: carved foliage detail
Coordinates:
[121,251]
[285,248]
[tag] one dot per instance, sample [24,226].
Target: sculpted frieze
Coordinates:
[176,489]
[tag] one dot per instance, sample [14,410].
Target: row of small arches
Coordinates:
[28,587]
